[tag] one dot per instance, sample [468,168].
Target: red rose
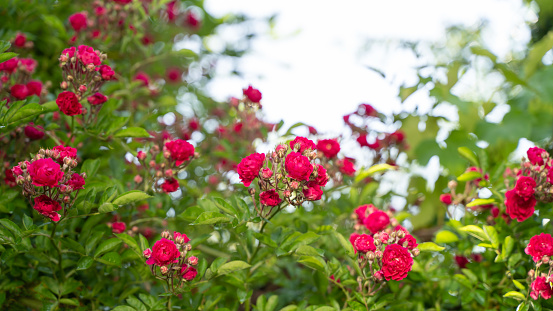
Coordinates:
[193,21]
[352,239]
[525,186]
[106,72]
[99,11]
[87,55]
[446,198]
[248,168]
[535,155]
[10,65]
[97,99]
[69,52]
[329,147]
[539,246]
[178,235]
[377,221]
[346,166]
[180,150]
[141,76]
[118,227]
[362,140]
[409,240]
[170,185]
[361,212]
[9,179]
[461,261]
[519,207]
[45,172]
[34,87]
[64,152]
[78,21]
[20,40]
[396,137]
[298,166]
[364,243]
[313,192]
[541,287]
[173,75]
[69,103]
[312,130]
[322,176]
[270,198]
[164,252]
[299,144]
[76,182]
[47,207]
[396,262]
[171,10]
[253,95]
[34,132]
[367,110]
[28,64]
[188,273]
[19,91]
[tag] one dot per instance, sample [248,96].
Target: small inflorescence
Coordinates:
[50,181]
[170,255]
[540,248]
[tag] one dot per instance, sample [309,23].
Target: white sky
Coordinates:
[312,66]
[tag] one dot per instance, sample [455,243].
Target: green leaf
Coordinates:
[492,236]
[535,56]
[4,46]
[519,285]
[462,280]
[224,206]
[377,168]
[130,241]
[430,247]
[469,155]
[123,308]
[477,50]
[71,302]
[143,242]
[112,258]
[210,218]
[507,247]
[271,303]
[468,176]
[475,231]
[515,295]
[345,244]
[90,166]
[445,236]
[73,245]
[135,303]
[107,208]
[265,239]
[106,246]
[186,53]
[131,197]
[29,111]
[132,132]
[84,263]
[10,225]
[313,262]
[306,250]
[27,222]
[232,266]
[478,202]
[7,56]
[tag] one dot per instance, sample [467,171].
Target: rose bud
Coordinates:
[164,270]
[137,179]
[141,155]
[266,173]
[166,235]
[147,253]
[193,260]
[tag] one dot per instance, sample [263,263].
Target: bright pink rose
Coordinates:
[178,236]
[254,95]
[47,207]
[19,91]
[164,252]
[69,103]
[446,198]
[302,144]
[170,185]
[76,182]
[20,40]
[535,155]
[193,21]
[396,262]
[106,72]
[69,52]
[45,172]
[173,75]
[172,10]
[540,287]
[312,130]
[180,150]
[34,87]
[298,166]
[377,221]
[364,243]
[270,198]
[329,147]
[34,132]
[361,212]
[313,192]
[367,110]
[396,137]
[322,176]
[539,246]
[248,168]
[97,99]
[410,240]
[118,227]
[519,207]
[525,186]
[346,166]
[188,273]
[87,55]
[141,76]
[28,64]
[352,239]
[64,152]
[100,10]
[9,66]
[78,21]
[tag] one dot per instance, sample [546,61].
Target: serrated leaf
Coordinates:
[306,250]
[210,218]
[430,247]
[469,155]
[84,263]
[107,208]
[519,285]
[90,166]
[132,132]
[27,222]
[130,241]
[515,295]
[106,246]
[265,239]
[492,235]
[112,258]
[123,308]
[131,197]
[445,236]
[143,242]
[313,262]
[478,202]
[7,56]
[346,245]
[71,302]
[135,303]
[232,266]
[475,231]
[468,176]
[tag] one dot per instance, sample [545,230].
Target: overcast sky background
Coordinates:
[312,65]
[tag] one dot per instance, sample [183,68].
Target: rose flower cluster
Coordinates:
[540,248]
[534,184]
[287,173]
[170,255]
[84,73]
[387,253]
[49,180]
[15,80]
[177,154]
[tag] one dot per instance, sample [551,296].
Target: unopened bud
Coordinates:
[188,247]
[82,88]
[169,173]
[192,260]
[69,78]
[66,160]
[134,229]
[370,256]
[159,174]
[531,273]
[147,253]
[137,179]
[152,163]
[266,173]
[400,234]
[84,175]
[164,270]
[90,67]
[378,254]
[287,193]
[66,199]
[294,185]
[416,252]
[73,59]
[251,191]
[452,184]
[63,58]
[141,155]
[165,234]
[545,259]
[166,154]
